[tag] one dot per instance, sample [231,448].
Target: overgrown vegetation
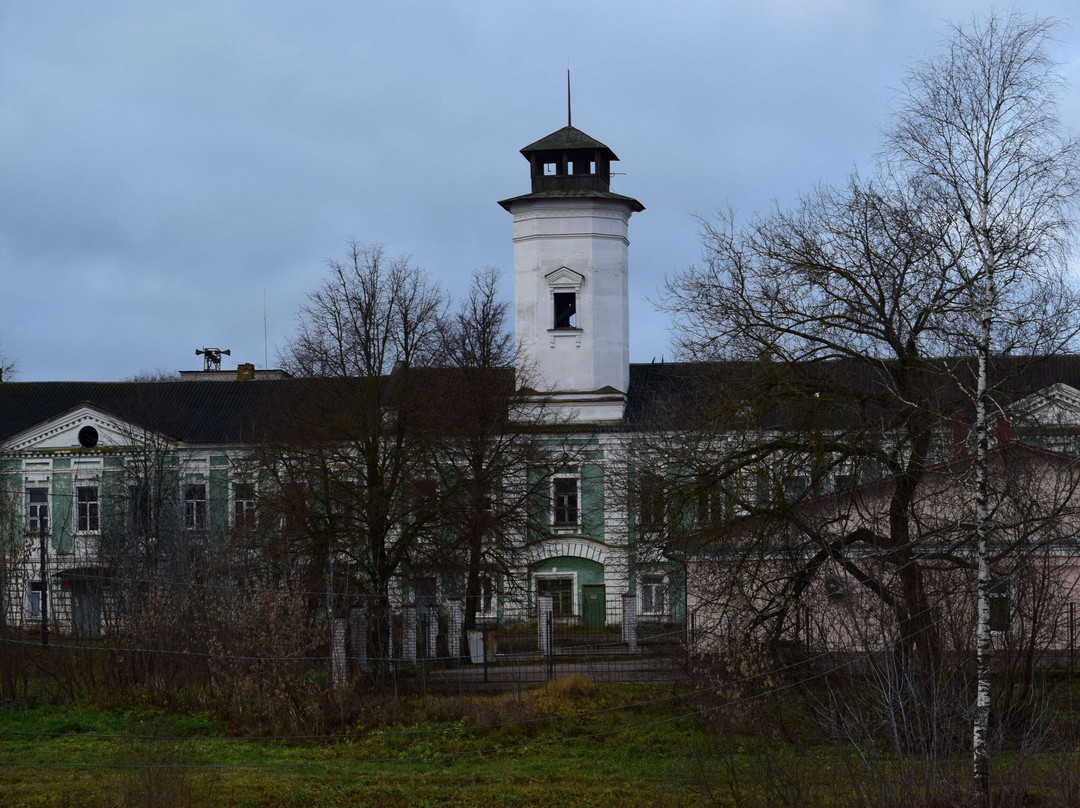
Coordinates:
[752,730]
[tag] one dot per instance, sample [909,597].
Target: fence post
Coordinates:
[691,638]
[551,646]
[338,666]
[408,633]
[629,620]
[432,627]
[543,623]
[358,636]
[457,636]
[390,639]
[485,654]
[1072,637]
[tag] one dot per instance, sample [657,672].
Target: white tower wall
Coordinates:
[588,237]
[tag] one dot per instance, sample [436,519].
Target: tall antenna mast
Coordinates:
[568,123]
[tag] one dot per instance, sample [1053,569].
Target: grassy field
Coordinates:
[570,743]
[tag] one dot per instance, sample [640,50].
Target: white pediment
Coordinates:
[565,278]
[1056,405]
[66,431]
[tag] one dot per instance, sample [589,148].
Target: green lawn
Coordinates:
[567,744]
[593,747]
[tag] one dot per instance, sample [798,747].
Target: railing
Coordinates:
[431,644]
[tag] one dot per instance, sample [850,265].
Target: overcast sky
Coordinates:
[167,167]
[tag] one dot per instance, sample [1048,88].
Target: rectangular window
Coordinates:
[653,593]
[37,510]
[244,506]
[712,507]
[487,594]
[795,488]
[652,502]
[565,504]
[1000,606]
[561,590]
[34,600]
[845,482]
[195,506]
[294,503]
[565,310]
[87,509]
[423,496]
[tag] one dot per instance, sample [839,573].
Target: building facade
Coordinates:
[101,484]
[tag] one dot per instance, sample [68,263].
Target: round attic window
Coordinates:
[88,437]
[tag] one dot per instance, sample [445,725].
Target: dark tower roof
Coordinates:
[568,138]
[570,164]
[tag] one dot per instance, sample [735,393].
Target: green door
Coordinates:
[595,605]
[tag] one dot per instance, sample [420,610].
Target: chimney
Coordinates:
[245,371]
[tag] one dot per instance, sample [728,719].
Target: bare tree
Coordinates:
[490,462]
[832,313]
[872,318]
[979,122]
[158,374]
[350,453]
[370,313]
[8,367]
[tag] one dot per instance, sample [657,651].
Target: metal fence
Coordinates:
[429,643]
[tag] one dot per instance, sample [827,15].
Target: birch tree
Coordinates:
[979,123]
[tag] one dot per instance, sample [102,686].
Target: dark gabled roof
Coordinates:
[824,394]
[191,411]
[236,412]
[566,139]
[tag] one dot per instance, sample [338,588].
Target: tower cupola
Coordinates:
[569,160]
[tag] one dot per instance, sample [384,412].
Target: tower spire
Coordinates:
[568,119]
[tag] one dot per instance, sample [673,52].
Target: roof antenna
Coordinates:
[568,97]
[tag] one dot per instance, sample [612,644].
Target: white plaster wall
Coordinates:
[590,237]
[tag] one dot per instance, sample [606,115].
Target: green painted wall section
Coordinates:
[592,501]
[62,507]
[113,509]
[10,505]
[588,571]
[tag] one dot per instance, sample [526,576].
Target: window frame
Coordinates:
[546,578]
[87,512]
[488,605]
[796,488]
[564,283]
[565,506]
[564,317]
[652,503]
[196,518]
[643,586]
[36,595]
[32,524]
[243,510]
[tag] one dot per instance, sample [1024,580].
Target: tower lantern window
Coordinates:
[584,165]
